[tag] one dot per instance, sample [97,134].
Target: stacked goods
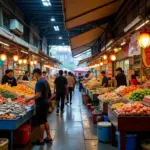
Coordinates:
[7,94]
[18,90]
[22,100]
[93,85]
[120,89]
[7,116]
[2,99]
[128,89]
[146,84]
[135,108]
[108,97]
[117,105]
[103,90]
[13,108]
[147,99]
[139,95]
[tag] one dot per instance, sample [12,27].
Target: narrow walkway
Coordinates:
[73,130]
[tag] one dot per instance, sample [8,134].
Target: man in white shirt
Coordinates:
[71,82]
[90,75]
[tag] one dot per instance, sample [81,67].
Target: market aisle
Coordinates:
[73,130]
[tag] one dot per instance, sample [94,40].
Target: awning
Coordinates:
[87,37]
[77,12]
[84,60]
[83,48]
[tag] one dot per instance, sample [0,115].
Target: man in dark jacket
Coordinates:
[8,78]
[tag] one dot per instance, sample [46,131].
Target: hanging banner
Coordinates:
[134,48]
[146,56]
[126,50]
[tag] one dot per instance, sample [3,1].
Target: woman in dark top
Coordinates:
[120,77]
[104,79]
[26,76]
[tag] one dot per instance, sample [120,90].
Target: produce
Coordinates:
[108,97]
[134,108]
[128,89]
[7,116]
[120,89]
[7,94]
[18,90]
[139,95]
[2,99]
[21,100]
[117,105]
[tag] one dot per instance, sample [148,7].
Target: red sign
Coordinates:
[125,50]
[146,56]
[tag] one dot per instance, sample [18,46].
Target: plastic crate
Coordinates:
[4,145]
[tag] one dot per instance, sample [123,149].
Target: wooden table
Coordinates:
[126,124]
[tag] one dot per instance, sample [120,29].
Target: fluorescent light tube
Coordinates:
[133,23]
[140,26]
[4,43]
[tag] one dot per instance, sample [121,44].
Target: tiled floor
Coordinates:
[72,131]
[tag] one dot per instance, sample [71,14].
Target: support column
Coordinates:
[1,16]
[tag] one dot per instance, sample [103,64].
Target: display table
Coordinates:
[12,125]
[104,107]
[126,124]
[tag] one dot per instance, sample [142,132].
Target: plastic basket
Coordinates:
[4,145]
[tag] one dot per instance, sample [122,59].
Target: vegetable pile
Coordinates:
[134,108]
[128,89]
[108,97]
[117,105]
[139,95]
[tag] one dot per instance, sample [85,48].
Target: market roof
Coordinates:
[46,17]
[84,60]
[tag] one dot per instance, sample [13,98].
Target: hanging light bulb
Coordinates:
[15,57]
[105,56]
[31,62]
[25,61]
[144,39]
[20,61]
[34,62]
[113,57]
[3,57]
[101,63]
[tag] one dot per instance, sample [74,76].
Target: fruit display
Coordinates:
[22,100]
[13,108]
[2,99]
[128,89]
[135,108]
[117,105]
[108,97]
[7,116]
[120,89]
[103,90]
[139,95]
[19,90]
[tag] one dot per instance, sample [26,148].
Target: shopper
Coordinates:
[65,73]
[104,79]
[74,81]
[133,80]
[60,89]
[71,82]
[80,78]
[8,78]
[44,74]
[120,77]
[26,76]
[42,95]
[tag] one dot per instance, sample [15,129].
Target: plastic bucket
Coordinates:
[104,131]
[94,116]
[130,141]
[106,119]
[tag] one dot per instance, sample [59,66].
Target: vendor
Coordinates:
[8,78]
[120,77]
[90,75]
[26,76]
[133,80]
[104,79]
